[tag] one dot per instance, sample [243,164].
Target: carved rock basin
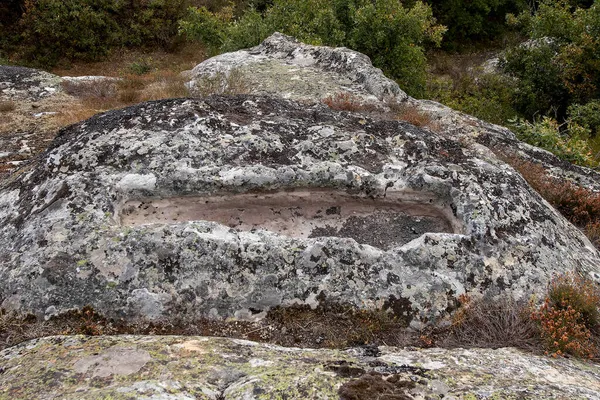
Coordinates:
[229,206]
[387,222]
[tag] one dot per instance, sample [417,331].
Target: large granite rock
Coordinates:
[287,68]
[229,206]
[182,368]
[284,67]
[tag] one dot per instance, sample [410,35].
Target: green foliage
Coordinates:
[207,27]
[141,67]
[560,65]
[392,35]
[540,89]
[474,20]
[89,29]
[486,96]
[586,115]
[568,141]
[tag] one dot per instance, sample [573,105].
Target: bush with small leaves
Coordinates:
[50,30]
[567,141]
[568,316]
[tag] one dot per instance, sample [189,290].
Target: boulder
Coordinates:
[32,103]
[228,206]
[232,205]
[27,83]
[287,68]
[182,368]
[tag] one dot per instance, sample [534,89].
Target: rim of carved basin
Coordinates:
[384,222]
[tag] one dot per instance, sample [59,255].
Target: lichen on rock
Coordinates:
[228,206]
[66,242]
[174,367]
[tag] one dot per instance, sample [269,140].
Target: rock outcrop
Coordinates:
[32,103]
[182,368]
[284,67]
[229,206]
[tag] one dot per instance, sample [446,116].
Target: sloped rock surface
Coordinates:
[37,99]
[30,97]
[172,367]
[65,241]
[284,67]
[290,69]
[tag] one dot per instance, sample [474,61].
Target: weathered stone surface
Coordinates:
[284,67]
[65,240]
[38,100]
[290,69]
[34,96]
[172,367]
[21,82]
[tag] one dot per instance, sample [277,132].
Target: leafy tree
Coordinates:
[560,64]
[474,20]
[393,36]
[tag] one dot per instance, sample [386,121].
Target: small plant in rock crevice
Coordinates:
[492,323]
[569,316]
[344,101]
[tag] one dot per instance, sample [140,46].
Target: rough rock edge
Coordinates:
[174,367]
[95,165]
[369,83]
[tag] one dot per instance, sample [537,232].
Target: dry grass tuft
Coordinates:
[579,205]
[330,325]
[410,113]
[7,106]
[97,88]
[103,95]
[493,324]
[398,111]
[344,101]
[233,82]
[338,326]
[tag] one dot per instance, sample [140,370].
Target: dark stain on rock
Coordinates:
[400,307]
[374,385]
[344,369]
[385,229]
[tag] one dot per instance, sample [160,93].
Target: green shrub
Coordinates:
[586,115]
[84,29]
[540,89]
[207,27]
[142,66]
[392,35]
[89,29]
[486,96]
[559,66]
[476,20]
[567,141]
